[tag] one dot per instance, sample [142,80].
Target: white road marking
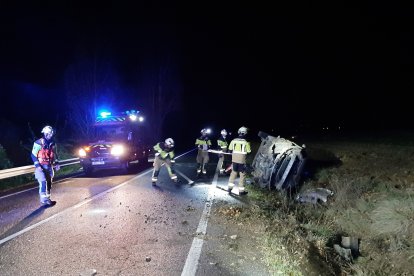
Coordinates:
[191,264]
[58,181]
[185,153]
[185,177]
[71,208]
[18,192]
[37,187]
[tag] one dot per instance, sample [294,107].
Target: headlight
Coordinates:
[82,153]
[117,150]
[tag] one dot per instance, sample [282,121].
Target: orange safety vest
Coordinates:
[46,155]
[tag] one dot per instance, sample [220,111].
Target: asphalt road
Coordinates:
[112,224]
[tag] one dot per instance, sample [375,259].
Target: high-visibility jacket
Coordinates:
[222,143]
[203,143]
[44,152]
[240,148]
[164,151]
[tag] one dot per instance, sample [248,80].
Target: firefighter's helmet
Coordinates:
[169,142]
[223,132]
[48,130]
[242,131]
[205,131]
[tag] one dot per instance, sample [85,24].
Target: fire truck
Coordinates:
[119,141]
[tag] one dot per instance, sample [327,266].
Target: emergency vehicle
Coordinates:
[119,141]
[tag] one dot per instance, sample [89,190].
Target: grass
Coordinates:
[373,185]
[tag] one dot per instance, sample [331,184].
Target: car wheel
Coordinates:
[88,170]
[126,167]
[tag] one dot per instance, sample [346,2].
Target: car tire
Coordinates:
[126,167]
[88,170]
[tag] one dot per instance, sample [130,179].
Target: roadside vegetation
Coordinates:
[373,201]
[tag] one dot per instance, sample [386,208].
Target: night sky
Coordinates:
[297,66]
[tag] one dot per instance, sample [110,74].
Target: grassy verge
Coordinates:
[373,185]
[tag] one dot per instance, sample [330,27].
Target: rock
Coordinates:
[88,272]
[343,252]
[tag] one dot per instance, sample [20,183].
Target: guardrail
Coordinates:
[30,169]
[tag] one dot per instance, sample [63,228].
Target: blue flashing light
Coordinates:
[132,112]
[105,114]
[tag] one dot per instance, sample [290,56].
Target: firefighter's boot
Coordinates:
[154,177]
[230,187]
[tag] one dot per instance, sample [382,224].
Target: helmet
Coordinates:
[169,142]
[242,131]
[205,131]
[48,130]
[223,132]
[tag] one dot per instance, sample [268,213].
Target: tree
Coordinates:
[89,84]
[161,91]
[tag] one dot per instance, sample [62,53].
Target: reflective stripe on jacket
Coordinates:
[43,152]
[240,148]
[240,145]
[164,151]
[222,143]
[203,143]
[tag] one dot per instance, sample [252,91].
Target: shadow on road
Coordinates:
[22,224]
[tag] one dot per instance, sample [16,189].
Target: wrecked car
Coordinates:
[278,163]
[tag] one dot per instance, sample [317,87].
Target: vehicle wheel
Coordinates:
[126,167]
[278,173]
[88,170]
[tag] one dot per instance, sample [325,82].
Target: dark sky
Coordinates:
[266,67]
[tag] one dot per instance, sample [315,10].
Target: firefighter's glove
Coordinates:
[56,165]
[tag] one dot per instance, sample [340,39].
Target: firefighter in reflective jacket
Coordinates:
[203,144]
[45,158]
[223,145]
[164,155]
[239,148]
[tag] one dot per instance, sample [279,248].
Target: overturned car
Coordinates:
[278,163]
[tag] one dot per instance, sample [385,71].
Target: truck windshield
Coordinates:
[111,133]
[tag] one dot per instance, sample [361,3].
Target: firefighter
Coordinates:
[45,160]
[239,148]
[222,144]
[203,144]
[164,155]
